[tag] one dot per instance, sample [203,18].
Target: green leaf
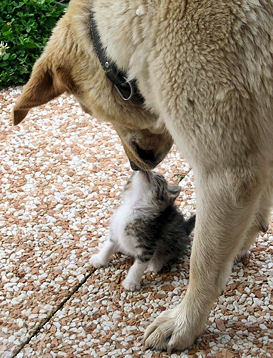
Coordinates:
[180,177]
[5,56]
[25,26]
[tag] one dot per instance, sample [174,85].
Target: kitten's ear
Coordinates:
[174,191]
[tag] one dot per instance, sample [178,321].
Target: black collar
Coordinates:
[127,90]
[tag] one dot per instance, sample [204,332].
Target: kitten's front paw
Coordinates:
[130,285]
[154,267]
[97,261]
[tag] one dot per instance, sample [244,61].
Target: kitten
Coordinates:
[146,226]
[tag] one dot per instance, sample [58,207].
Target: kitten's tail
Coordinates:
[189,224]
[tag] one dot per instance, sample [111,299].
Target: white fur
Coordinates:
[138,194]
[132,280]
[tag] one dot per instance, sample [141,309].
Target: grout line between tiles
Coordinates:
[60,306]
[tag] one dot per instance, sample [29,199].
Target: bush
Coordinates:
[25,26]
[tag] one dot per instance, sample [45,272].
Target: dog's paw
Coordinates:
[170,331]
[97,261]
[130,285]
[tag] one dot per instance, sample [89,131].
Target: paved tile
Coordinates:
[61,174]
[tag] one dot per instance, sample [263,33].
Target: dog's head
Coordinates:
[70,64]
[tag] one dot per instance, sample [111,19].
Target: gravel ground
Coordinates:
[61,174]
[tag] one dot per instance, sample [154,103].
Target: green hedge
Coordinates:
[25,26]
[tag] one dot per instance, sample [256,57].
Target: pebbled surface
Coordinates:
[61,173]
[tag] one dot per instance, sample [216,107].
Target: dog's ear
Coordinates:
[46,82]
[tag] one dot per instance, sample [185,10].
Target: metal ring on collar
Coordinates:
[131,90]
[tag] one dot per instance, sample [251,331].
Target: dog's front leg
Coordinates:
[224,207]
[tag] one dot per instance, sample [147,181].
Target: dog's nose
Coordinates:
[133,165]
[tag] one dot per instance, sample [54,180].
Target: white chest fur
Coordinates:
[125,213]
[138,196]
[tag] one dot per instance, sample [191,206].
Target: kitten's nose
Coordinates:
[133,165]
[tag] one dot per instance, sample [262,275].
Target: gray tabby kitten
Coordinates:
[146,226]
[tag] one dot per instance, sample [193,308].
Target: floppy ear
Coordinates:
[44,84]
[174,191]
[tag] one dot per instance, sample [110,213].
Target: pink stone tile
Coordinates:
[103,320]
[61,174]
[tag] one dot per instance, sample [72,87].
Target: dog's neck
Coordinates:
[127,89]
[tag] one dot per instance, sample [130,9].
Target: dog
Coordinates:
[204,71]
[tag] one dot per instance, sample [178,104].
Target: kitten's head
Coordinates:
[152,188]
